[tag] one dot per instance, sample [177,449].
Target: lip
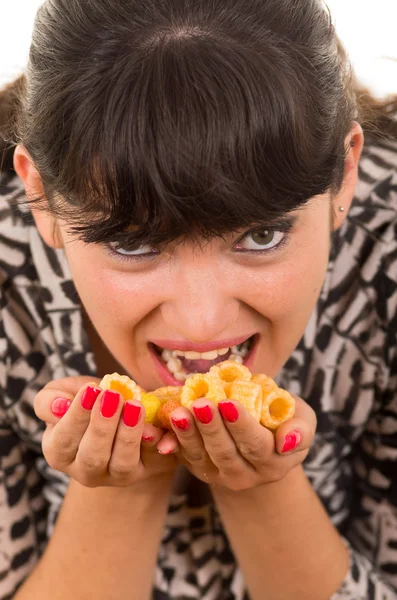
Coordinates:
[168,378]
[190,347]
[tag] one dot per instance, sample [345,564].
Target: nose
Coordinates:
[200,307]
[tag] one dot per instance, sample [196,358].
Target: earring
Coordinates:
[342,209]
[352,144]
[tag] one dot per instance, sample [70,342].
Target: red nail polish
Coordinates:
[89,397]
[110,403]
[60,406]
[148,438]
[291,441]
[131,414]
[181,424]
[228,411]
[203,414]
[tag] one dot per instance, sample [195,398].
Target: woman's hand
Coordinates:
[234,450]
[94,449]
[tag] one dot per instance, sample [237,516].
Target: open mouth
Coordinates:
[182,365]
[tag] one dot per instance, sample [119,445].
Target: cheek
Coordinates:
[286,293]
[112,299]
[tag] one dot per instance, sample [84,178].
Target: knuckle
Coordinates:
[98,429]
[120,471]
[66,452]
[53,460]
[56,458]
[211,432]
[91,462]
[86,480]
[195,456]
[225,456]
[129,444]
[255,447]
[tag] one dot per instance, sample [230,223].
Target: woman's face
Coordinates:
[204,299]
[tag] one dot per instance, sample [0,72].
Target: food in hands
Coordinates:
[164,412]
[202,386]
[229,371]
[249,394]
[259,394]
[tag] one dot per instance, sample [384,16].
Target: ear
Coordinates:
[355,143]
[46,223]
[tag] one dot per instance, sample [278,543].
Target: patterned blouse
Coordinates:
[345,367]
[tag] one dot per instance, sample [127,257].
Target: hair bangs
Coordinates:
[190,135]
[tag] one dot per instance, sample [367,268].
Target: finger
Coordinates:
[189,438]
[296,435]
[62,444]
[56,394]
[125,454]
[151,436]
[95,448]
[254,442]
[169,444]
[218,442]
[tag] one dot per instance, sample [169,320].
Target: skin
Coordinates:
[273,295]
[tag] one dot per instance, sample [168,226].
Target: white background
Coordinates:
[367,28]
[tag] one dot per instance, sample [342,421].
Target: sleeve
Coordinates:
[31,493]
[371,533]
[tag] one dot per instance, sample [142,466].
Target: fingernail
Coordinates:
[291,441]
[89,397]
[165,452]
[228,411]
[203,414]
[148,438]
[181,424]
[60,406]
[131,414]
[109,404]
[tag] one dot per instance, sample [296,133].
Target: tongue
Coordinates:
[200,365]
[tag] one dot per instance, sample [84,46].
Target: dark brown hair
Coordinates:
[152,120]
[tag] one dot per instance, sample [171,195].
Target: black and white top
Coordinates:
[345,366]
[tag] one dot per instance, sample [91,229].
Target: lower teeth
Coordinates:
[236,358]
[174,364]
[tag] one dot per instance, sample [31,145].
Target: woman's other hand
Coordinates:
[227,447]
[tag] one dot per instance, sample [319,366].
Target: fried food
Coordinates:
[229,371]
[202,385]
[267,403]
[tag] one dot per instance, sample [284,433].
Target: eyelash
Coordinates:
[284,227]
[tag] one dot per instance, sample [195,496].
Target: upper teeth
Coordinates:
[191,355]
[174,363]
[172,355]
[167,355]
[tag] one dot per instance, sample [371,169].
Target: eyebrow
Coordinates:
[281,223]
[126,237]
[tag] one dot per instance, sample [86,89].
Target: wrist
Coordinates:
[150,491]
[295,479]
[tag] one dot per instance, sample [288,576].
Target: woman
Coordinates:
[191,177]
